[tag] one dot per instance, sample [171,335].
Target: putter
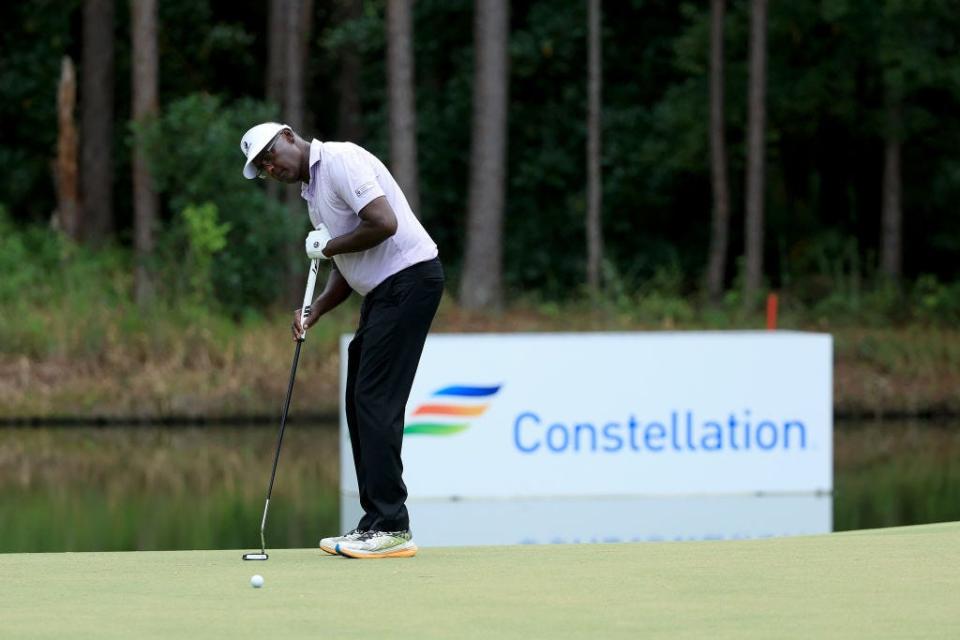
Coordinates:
[304,312]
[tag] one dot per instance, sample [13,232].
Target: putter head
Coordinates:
[255,556]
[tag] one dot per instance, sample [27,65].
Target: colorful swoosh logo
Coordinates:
[448,410]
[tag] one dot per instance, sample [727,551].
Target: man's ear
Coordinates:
[288,135]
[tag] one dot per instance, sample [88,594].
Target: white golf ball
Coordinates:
[256,581]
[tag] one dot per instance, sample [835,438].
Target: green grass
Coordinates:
[866,584]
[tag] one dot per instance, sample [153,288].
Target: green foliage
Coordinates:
[205,238]
[936,302]
[834,68]
[23,256]
[61,299]
[44,270]
[661,299]
[194,152]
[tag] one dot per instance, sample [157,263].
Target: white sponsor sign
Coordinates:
[588,414]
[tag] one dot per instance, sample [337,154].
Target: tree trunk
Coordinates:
[298,18]
[349,115]
[68,196]
[755,188]
[298,21]
[594,180]
[482,284]
[293,87]
[277,53]
[891,252]
[303,38]
[403,114]
[143,25]
[717,259]
[277,72]
[96,127]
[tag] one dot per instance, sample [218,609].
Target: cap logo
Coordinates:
[246,146]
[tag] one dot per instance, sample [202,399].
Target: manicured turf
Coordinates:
[902,582]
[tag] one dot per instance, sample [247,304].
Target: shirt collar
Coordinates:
[316,153]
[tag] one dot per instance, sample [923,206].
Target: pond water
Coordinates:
[122,488]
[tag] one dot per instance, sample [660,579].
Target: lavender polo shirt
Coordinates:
[344,178]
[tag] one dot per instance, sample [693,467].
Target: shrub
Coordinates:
[193,147]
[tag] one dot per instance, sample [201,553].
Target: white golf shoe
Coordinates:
[330,544]
[379,544]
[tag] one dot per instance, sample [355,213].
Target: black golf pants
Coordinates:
[382,361]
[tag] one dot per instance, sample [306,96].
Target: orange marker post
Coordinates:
[771,311]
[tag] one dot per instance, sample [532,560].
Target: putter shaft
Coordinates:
[304,312]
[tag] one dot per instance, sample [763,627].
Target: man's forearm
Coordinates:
[334,292]
[377,223]
[366,236]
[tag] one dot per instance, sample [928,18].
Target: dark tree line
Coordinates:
[722,146]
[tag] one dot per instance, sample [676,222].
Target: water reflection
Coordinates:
[609,519]
[112,488]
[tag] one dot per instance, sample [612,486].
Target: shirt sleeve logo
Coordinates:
[364,188]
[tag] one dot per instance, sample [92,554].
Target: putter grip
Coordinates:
[308,294]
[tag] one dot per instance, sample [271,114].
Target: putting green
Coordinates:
[901,582]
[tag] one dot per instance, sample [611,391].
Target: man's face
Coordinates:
[280,159]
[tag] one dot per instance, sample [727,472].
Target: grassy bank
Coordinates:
[109,361]
[210,344]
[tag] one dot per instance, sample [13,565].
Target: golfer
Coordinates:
[380,250]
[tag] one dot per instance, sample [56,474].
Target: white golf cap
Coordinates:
[253,142]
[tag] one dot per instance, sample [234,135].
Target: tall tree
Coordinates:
[349,111]
[298,16]
[756,130]
[289,25]
[276,90]
[905,66]
[68,197]
[304,38]
[276,52]
[594,180]
[143,32]
[891,240]
[720,227]
[482,283]
[403,114]
[297,36]
[96,126]
[594,130]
